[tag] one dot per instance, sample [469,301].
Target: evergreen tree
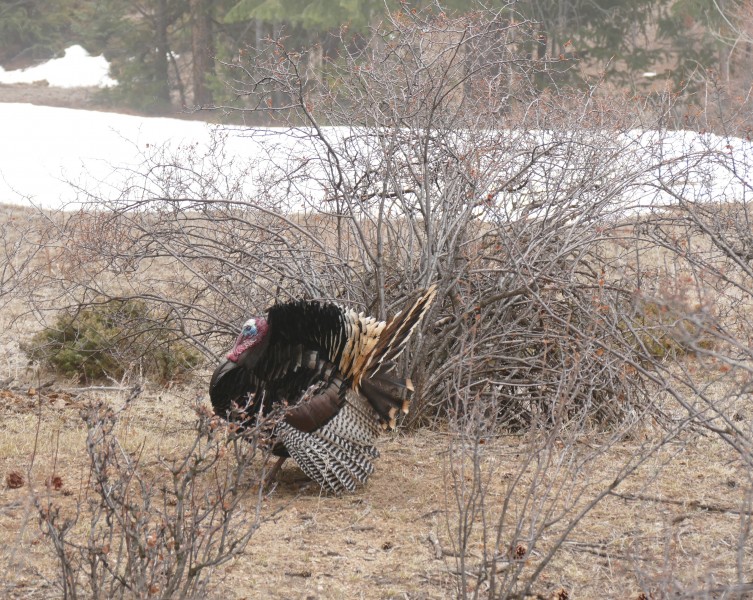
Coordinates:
[33,30]
[138,38]
[154,46]
[312,17]
[610,37]
[705,34]
[203,50]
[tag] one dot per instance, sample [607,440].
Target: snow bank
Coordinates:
[45,149]
[75,69]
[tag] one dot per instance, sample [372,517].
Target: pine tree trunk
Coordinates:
[202,43]
[162,76]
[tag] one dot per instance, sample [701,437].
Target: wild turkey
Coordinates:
[327,369]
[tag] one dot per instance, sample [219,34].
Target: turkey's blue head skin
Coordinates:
[251,335]
[230,380]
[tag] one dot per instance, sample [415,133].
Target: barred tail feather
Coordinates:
[389,395]
[338,455]
[335,466]
[398,331]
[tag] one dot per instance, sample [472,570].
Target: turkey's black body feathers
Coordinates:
[325,368]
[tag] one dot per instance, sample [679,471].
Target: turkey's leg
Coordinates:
[273,471]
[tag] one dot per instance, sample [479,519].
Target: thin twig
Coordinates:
[695,504]
[438,552]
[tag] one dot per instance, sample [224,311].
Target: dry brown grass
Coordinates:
[677,520]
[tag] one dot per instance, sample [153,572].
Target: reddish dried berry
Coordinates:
[14,480]
[55,482]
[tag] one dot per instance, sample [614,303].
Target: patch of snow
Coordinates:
[113,156]
[48,147]
[76,68]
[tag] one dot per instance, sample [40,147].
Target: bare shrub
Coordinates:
[447,165]
[155,530]
[19,247]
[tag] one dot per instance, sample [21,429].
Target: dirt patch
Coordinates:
[676,520]
[82,98]
[43,95]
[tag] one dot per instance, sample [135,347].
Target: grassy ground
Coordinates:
[676,524]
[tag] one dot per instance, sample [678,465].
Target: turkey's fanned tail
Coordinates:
[387,394]
[396,334]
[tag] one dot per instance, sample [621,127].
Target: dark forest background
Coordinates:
[173,55]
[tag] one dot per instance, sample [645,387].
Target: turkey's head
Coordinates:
[252,336]
[231,376]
